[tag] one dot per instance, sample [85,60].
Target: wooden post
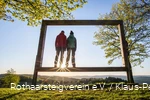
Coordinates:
[124,52]
[34,77]
[39,57]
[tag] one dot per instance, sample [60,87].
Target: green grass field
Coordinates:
[8,94]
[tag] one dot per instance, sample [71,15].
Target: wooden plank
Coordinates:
[123,45]
[81,69]
[34,77]
[124,51]
[39,57]
[82,22]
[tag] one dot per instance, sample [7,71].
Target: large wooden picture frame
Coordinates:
[39,58]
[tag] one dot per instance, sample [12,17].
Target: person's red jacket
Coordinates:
[61,41]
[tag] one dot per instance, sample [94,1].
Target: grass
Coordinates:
[8,94]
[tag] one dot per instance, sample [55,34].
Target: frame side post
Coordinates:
[125,53]
[39,57]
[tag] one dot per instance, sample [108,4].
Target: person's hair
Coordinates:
[71,32]
[62,31]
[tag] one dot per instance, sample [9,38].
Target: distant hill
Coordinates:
[138,79]
[142,79]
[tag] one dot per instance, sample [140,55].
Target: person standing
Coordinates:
[60,46]
[71,47]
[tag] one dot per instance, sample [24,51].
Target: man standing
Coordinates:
[60,46]
[71,47]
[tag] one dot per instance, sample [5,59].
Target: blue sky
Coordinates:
[19,42]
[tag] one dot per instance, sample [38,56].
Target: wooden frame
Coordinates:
[39,58]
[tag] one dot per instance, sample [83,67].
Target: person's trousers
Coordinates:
[68,57]
[58,51]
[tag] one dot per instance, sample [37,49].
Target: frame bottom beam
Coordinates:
[81,69]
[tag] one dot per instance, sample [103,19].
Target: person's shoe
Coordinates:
[60,66]
[66,66]
[74,65]
[55,66]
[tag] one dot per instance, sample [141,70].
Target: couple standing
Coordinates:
[61,44]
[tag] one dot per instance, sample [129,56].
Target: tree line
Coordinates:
[12,77]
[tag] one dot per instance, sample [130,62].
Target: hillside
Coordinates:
[7,94]
[73,79]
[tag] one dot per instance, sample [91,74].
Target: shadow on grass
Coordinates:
[11,95]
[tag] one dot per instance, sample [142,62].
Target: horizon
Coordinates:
[78,75]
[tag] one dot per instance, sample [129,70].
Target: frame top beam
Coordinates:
[82,22]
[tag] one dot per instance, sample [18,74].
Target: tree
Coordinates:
[137,32]
[33,11]
[138,4]
[9,77]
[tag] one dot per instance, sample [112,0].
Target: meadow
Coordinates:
[8,94]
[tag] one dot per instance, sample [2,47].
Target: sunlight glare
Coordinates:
[63,65]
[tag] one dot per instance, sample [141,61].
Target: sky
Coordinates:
[19,43]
